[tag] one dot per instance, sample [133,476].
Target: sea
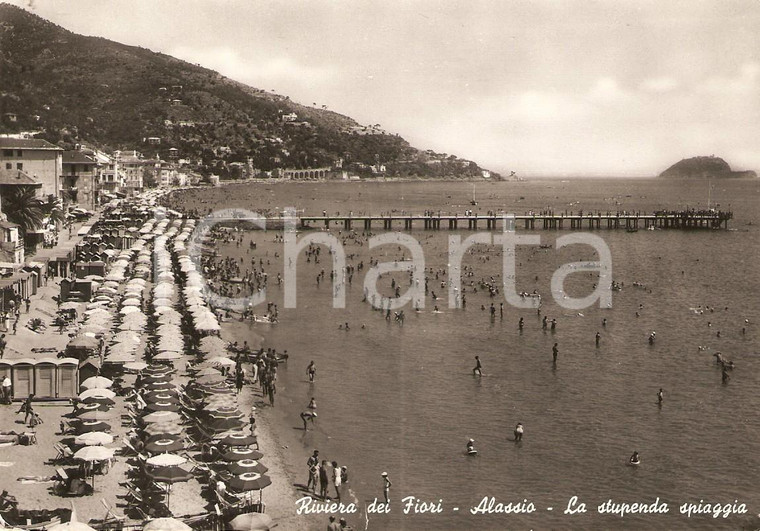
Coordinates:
[402,399]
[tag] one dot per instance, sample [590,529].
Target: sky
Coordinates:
[539,87]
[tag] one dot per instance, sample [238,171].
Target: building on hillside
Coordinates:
[290,117]
[79,179]
[37,158]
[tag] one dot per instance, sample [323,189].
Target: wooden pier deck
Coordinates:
[548,221]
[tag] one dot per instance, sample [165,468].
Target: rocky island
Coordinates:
[705,167]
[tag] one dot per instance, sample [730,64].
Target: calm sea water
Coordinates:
[403,399]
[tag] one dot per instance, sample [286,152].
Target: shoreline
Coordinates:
[282,458]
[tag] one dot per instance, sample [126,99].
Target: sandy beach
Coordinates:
[30,471]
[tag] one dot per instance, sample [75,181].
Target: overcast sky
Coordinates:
[615,87]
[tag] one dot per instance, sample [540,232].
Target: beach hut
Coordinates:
[66,378]
[23,377]
[45,379]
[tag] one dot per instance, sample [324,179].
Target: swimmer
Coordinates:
[519,432]
[634,460]
[604,322]
[555,351]
[520,324]
[471,446]
[312,404]
[598,338]
[477,371]
[659,397]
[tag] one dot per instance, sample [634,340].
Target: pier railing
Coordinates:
[550,220]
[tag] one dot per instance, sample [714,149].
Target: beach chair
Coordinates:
[64,454]
[62,481]
[111,518]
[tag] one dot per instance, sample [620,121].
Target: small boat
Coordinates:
[472,201]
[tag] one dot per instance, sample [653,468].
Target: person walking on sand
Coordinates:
[477,370]
[313,465]
[27,409]
[324,480]
[386,487]
[336,478]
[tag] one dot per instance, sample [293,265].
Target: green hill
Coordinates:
[88,89]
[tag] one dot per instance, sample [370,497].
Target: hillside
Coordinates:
[88,89]
[696,167]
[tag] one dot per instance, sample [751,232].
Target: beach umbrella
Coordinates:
[71,305]
[162,406]
[126,310]
[168,355]
[97,382]
[155,386]
[250,481]
[169,475]
[238,439]
[210,378]
[96,393]
[161,416]
[225,412]
[131,325]
[246,465]
[131,302]
[126,337]
[171,428]
[208,371]
[94,453]
[98,400]
[166,524]
[119,357]
[94,415]
[166,459]
[153,378]
[160,396]
[87,426]
[94,438]
[169,318]
[250,522]
[238,454]
[159,369]
[135,366]
[165,444]
[93,406]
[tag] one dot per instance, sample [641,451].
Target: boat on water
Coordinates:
[472,201]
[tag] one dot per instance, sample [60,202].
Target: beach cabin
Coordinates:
[89,368]
[66,378]
[23,378]
[44,379]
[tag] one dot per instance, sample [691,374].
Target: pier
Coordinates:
[683,220]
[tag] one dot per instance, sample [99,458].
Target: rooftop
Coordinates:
[76,157]
[27,143]
[17,178]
